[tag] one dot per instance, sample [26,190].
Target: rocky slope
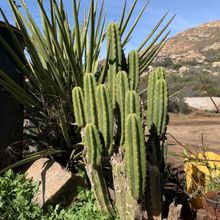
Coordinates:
[195,45]
[190,56]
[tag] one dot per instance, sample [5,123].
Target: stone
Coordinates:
[215,74]
[174,212]
[206,71]
[216,64]
[183,69]
[55,183]
[202,214]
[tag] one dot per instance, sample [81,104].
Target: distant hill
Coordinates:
[192,54]
[188,57]
[197,45]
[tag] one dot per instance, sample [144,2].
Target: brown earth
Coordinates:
[193,131]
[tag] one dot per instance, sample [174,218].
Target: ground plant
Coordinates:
[16,202]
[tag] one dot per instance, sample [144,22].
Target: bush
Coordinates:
[16,193]
[178,105]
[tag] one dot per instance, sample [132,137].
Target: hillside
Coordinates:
[200,44]
[191,55]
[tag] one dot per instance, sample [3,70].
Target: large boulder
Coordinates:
[55,183]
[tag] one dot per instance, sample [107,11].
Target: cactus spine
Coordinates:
[90,100]
[134,70]
[78,106]
[135,159]
[105,116]
[115,57]
[122,87]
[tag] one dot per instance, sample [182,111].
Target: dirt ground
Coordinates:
[192,130]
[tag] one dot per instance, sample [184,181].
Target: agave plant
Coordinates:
[55,60]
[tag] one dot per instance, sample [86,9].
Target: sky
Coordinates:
[189,13]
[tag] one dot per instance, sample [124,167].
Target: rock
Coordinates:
[174,212]
[216,64]
[171,71]
[55,183]
[203,103]
[202,214]
[206,71]
[215,74]
[183,69]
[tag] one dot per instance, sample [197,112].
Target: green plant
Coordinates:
[126,157]
[57,59]
[83,207]
[16,193]
[157,119]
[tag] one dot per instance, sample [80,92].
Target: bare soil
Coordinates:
[193,131]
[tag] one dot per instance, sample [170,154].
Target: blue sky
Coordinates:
[189,13]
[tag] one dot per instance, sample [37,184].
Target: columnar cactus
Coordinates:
[116,104]
[78,106]
[105,116]
[157,102]
[94,168]
[134,70]
[122,87]
[89,85]
[115,57]
[93,145]
[132,103]
[160,106]
[157,105]
[135,158]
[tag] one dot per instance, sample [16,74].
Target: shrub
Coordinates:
[16,193]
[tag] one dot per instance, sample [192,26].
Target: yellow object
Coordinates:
[198,175]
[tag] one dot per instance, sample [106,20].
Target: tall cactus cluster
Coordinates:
[109,116]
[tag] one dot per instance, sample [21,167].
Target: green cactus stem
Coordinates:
[122,87]
[160,107]
[134,70]
[115,57]
[132,103]
[157,102]
[105,115]
[135,158]
[94,168]
[78,106]
[90,85]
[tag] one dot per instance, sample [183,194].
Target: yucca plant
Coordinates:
[56,58]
